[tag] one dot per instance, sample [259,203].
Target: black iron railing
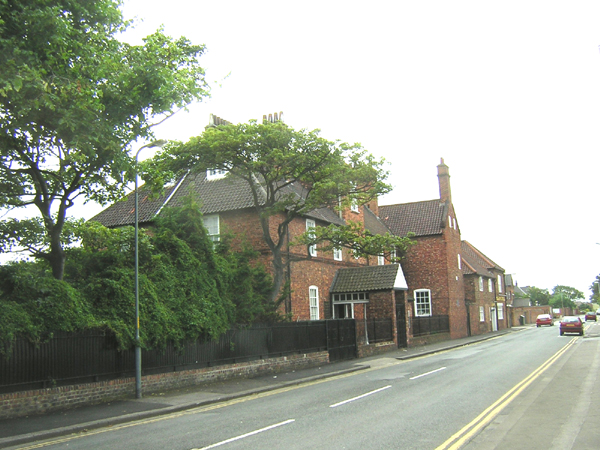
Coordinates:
[430,325]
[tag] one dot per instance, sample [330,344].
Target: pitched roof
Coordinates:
[373,224]
[214,196]
[123,212]
[369,278]
[475,262]
[422,218]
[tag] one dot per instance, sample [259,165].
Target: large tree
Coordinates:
[564,296]
[290,173]
[73,98]
[538,296]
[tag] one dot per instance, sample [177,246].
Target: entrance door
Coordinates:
[401,323]
[494,319]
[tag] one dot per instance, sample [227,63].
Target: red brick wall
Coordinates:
[456,291]
[433,264]
[304,272]
[530,313]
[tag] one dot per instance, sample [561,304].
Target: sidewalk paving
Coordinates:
[33,428]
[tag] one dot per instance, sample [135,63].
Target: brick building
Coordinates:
[433,295]
[485,291]
[227,206]
[437,271]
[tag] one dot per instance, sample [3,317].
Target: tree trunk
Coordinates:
[56,256]
[278,275]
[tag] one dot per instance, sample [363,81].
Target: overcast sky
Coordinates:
[507,92]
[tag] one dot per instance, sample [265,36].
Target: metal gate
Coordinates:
[341,339]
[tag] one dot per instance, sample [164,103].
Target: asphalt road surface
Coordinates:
[530,390]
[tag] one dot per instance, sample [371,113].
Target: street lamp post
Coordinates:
[138,349]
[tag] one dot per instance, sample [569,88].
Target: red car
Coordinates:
[571,324]
[590,315]
[544,319]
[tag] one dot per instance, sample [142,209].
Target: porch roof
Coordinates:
[370,278]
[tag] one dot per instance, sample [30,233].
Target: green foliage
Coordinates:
[288,172]
[35,304]
[30,235]
[187,290]
[274,156]
[564,296]
[568,292]
[73,98]
[595,288]
[539,296]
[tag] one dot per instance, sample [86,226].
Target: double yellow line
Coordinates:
[458,439]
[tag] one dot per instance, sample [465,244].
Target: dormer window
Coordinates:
[215,174]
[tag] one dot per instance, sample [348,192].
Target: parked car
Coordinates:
[571,324]
[544,319]
[590,315]
[598,312]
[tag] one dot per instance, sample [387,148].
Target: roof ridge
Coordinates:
[413,203]
[482,256]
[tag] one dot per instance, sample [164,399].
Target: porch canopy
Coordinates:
[366,279]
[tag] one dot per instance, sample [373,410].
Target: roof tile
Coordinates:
[421,218]
[368,278]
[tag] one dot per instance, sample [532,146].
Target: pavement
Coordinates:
[32,428]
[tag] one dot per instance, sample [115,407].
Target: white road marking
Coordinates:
[428,373]
[360,396]
[252,433]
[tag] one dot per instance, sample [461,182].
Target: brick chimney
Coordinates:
[444,181]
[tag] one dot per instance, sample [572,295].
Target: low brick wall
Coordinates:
[376,349]
[45,400]
[427,339]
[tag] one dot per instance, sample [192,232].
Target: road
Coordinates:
[531,389]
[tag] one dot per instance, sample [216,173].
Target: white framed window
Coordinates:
[212,225]
[481,314]
[354,205]
[337,254]
[356,297]
[490,285]
[459,263]
[393,254]
[312,249]
[500,284]
[481,284]
[215,174]
[380,260]
[313,299]
[500,311]
[422,302]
